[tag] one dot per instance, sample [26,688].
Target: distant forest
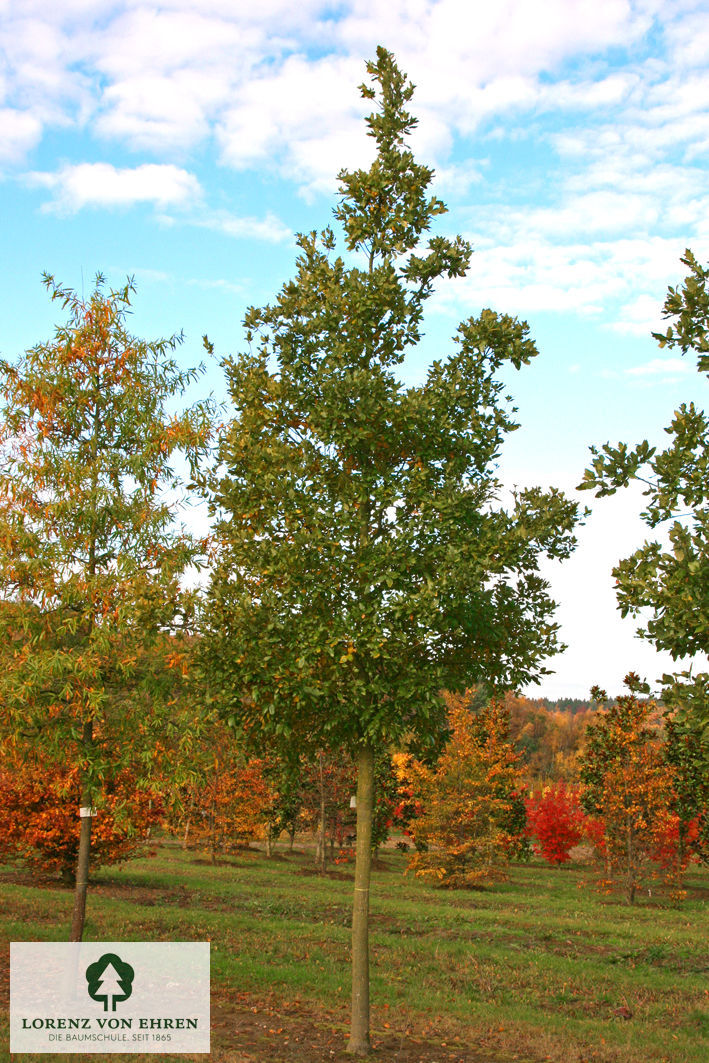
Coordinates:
[572,705]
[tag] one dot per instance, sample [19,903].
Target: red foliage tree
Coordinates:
[675,843]
[555,820]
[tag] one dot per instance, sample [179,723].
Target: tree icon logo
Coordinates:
[110,980]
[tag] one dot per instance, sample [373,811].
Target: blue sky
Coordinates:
[185,141]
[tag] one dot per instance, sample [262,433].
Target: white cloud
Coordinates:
[688,37]
[161,77]
[19,132]
[166,187]
[150,276]
[303,118]
[641,317]
[168,73]
[273,87]
[101,185]
[220,285]
[661,367]
[149,112]
[269,228]
[529,272]
[457,179]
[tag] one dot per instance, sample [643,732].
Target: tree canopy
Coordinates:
[94,624]
[668,586]
[364,561]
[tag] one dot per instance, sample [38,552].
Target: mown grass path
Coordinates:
[541,967]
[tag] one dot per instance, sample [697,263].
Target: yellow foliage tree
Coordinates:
[470,820]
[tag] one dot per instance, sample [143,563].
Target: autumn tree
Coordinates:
[94,626]
[228,800]
[467,828]
[364,560]
[38,821]
[666,585]
[627,785]
[326,785]
[555,821]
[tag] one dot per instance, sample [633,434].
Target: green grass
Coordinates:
[541,965]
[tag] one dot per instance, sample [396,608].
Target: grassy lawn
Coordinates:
[536,968]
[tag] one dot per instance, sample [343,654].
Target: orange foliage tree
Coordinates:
[472,815]
[93,620]
[38,821]
[627,785]
[228,800]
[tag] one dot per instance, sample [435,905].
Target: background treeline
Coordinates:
[550,735]
[563,704]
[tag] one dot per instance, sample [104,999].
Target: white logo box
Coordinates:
[137,996]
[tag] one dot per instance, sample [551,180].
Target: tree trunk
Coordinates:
[321,854]
[82,864]
[359,1034]
[631,869]
[186,834]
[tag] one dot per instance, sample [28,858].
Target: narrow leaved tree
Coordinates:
[364,563]
[94,627]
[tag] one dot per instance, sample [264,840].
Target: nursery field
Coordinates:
[541,967]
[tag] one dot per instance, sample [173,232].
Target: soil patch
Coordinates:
[250,1030]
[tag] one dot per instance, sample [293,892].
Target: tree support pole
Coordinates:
[359,1044]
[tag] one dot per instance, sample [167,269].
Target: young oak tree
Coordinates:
[363,562]
[94,627]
